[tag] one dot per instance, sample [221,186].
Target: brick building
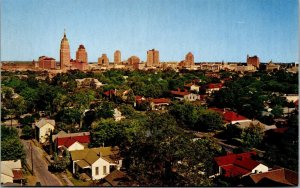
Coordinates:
[253,61]
[117,57]
[153,58]
[81,54]
[65,56]
[134,62]
[103,60]
[45,62]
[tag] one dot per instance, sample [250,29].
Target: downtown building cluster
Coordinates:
[132,63]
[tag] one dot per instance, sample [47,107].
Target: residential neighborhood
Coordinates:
[86,136]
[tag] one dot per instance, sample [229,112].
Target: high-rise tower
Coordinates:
[81,54]
[153,58]
[189,60]
[117,57]
[64,53]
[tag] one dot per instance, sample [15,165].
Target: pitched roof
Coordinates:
[18,174]
[282,175]
[90,155]
[215,85]
[178,92]
[160,100]
[116,177]
[109,92]
[44,121]
[7,167]
[68,141]
[229,116]
[237,164]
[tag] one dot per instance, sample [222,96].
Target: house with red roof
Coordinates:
[273,178]
[184,95]
[212,87]
[239,165]
[159,103]
[230,116]
[110,93]
[71,141]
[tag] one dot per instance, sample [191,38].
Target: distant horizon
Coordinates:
[213,30]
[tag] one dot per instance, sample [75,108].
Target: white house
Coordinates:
[191,97]
[246,124]
[118,115]
[239,165]
[71,141]
[96,162]
[11,172]
[193,87]
[43,129]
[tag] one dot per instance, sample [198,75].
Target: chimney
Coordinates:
[178,89]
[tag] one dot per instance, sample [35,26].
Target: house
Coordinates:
[139,100]
[245,124]
[159,104]
[118,115]
[71,141]
[185,95]
[239,165]
[89,82]
[117,178]
[110,93]
[273,178]
[230,116]
[212,87]
[96,162]
[192,87]
[43,129]
[11,172]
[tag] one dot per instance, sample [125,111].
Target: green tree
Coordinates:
[27,131]
[253,135]
[82,100]
[10,139]
[277,111]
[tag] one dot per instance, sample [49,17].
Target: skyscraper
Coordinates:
[117,57]
[64,53]
[81,54]
[153,58]
[189,60]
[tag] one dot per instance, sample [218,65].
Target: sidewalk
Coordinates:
[66,179]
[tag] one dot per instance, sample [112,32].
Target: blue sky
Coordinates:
[213,30]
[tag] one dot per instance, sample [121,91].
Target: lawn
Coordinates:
[75,181]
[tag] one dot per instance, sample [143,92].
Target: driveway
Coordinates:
[40,167]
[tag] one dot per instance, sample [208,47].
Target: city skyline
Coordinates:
[215,30]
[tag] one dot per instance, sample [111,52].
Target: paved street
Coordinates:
[40,167]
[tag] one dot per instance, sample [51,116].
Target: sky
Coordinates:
[213,30]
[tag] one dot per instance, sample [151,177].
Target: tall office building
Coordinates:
[65,53]
[81,54]
[189,60]
[117,57]
[153,58]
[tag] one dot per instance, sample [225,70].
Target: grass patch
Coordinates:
[75,181]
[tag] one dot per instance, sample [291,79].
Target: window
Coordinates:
[104,170]
[97,170]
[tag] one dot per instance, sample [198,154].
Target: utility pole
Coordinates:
[31,158]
